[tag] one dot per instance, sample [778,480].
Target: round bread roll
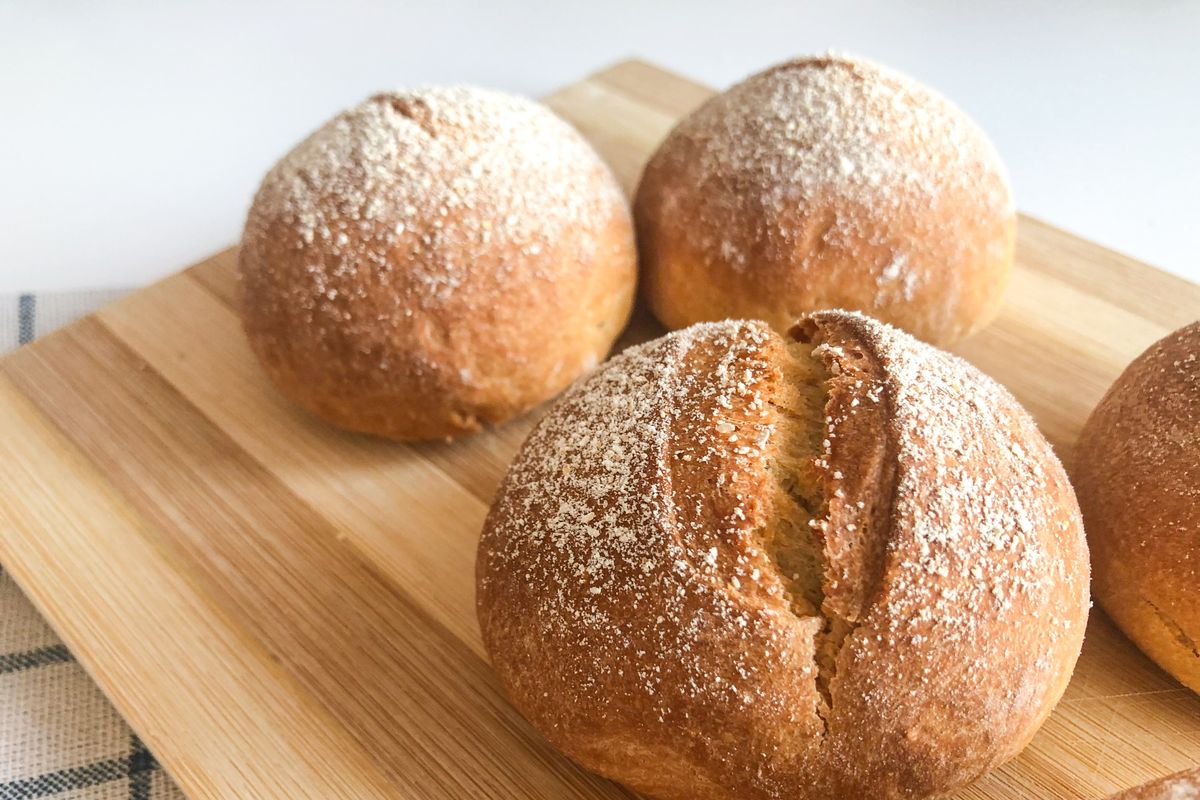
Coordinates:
[432,260]
[838,563]
[1137,471]
[827,183]
[1180,786]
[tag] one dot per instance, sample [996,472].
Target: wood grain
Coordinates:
[284,610]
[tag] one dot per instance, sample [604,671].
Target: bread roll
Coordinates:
[827,182]
[430,261]
[1137,470]
[838,563]
[1180,786]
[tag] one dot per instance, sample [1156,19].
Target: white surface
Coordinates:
[132,134]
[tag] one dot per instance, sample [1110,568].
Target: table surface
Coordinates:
[134,134]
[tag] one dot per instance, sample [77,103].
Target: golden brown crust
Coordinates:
[430,261]
[1183,785]
[634,617]
[1137,471]
[827,183]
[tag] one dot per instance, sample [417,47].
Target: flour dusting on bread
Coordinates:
[432,172]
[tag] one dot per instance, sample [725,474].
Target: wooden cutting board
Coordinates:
[284,610]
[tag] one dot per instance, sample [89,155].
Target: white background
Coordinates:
[132,135]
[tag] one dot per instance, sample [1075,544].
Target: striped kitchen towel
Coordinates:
[60,738]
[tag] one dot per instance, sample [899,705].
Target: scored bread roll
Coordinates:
[827,182]
[837,563]
[1137,471]
[1180,786]
[429,261]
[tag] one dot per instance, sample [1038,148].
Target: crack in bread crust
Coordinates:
[831,510]
[858,472]
[793,533]
[1174,628]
